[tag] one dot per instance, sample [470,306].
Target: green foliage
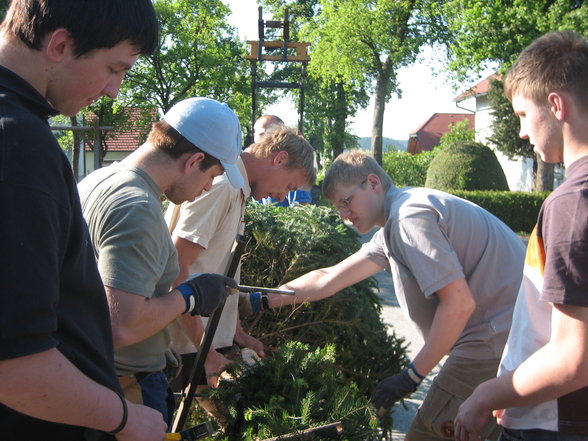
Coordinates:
[406,169]
[359,43]
[331,353]
[296,389]
[4,7]
[505,125]
[64,137]
[466,166]
[199,55]
[285,243]
[480,31]
[516,209]
[458,132]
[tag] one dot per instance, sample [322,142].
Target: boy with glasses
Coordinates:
[456,270]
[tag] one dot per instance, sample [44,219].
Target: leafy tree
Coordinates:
[406,169]
[359,42]
[480,32]
[329,103]
[199,55]
[505,128]
[460,131]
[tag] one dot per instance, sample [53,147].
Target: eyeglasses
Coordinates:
[344,204]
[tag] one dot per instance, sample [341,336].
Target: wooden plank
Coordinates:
[298,46]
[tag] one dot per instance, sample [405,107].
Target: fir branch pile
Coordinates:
[285,243]
[294,390]
[328,355]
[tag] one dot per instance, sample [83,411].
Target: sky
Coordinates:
[425,89]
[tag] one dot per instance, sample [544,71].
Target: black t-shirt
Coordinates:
[563,225]
[51,294]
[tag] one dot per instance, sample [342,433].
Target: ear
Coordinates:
[280,158]
[373,182]
[558,105]
[59,43]
[193,160]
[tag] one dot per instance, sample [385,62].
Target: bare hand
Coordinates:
[244,340]
[213,366]
[470,420]
[143,424]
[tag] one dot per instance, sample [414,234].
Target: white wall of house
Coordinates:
[111,157]
[519,172]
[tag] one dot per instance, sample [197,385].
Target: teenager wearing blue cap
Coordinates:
[197,140]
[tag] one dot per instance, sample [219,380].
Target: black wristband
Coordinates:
[264,302]
[123,421]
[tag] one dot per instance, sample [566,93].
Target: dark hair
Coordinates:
[165,138]
[555,62]
[93,24]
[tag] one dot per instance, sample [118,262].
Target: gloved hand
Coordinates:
[203,293]
[394,388]
[252,303]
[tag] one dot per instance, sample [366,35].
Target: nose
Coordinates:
[113,86]
[208,185]
[344,212]
[523,132]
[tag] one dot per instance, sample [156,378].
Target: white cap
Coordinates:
[212,127]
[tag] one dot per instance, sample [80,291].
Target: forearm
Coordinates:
[313,286]
[194,328]
[453,312]
[136,318]
[49,387]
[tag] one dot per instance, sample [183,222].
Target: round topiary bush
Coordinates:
[466,166]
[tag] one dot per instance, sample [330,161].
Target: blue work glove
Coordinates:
[203,293]
[394,388]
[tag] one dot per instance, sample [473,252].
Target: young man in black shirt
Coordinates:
[57,378]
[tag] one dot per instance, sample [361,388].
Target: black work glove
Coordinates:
[251,303]
[203,293]
[394,388]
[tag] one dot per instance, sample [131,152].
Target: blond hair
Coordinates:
[300,152]
[555,62]
[351,168]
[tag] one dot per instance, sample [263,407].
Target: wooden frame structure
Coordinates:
[291,51]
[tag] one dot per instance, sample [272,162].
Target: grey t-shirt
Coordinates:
[133,247]
[432,238]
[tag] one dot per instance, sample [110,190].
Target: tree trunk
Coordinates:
[544,175]
[75,153]
[382,81]
[340,120]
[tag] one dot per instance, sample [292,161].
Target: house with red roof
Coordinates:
[428,134]
[119,142]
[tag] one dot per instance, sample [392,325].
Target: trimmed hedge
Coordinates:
[466,166]
[516,209]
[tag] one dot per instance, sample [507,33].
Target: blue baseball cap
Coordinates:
[212,127]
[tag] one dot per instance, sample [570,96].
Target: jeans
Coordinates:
[538,435]
[157,394]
